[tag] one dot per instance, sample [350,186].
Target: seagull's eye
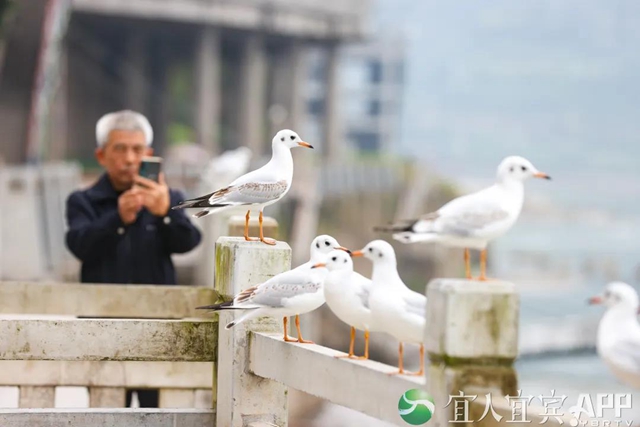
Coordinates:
[318,245]
[380,255]
[326,243]
[370,249]
[293,137]
[282,139]
[524,168]
[334,258]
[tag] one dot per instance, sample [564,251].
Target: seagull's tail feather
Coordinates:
[211,210]
[409,237]
[215,307]
[247,316]
[396,227]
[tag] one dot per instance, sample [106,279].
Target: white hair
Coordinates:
[123,120]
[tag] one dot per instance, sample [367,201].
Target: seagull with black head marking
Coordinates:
[398,310]
[347,295]
[472,221]
[291,293]
[257,189]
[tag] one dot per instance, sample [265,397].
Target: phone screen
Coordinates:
[150,168]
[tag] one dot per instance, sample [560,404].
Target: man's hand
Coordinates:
[155,196]
[129,204]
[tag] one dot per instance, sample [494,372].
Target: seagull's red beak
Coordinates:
[595,300]
[305,144]
[319,265]
[357,253]
[342,248]
[541,175]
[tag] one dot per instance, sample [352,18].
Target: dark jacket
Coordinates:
[112,252]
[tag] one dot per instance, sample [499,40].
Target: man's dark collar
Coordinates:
[103,189]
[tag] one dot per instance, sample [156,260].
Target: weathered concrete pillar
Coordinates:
[253,92]
[243,398]
[472,342]
[209,89]
[332,101]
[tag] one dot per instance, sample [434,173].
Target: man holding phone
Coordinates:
[122,228]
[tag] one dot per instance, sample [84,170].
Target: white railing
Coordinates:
[471,339]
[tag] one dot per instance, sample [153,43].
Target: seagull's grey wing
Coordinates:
[274,292]
[249,193]
[627,354]
[468,216]
[364,288]
[415,303]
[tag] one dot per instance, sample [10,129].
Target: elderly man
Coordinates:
[122,228]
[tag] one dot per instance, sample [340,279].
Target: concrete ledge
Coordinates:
[183,375]
[93,300]
[361,385]
[118,340]
[106,417]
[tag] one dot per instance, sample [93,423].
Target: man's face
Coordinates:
[121,156]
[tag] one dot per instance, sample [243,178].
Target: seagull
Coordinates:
[257,189]
[293,292]
[347,295]
[618,341]
[473,220]
[398,310]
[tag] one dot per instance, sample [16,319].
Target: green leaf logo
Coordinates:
[416,407]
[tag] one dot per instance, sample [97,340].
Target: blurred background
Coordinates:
[409,103]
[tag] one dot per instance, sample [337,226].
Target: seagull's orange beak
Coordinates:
[356,254]
[595,300]
[342,248]
[318,265]
[541,175]
[305,144]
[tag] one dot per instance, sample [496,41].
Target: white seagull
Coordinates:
[618,341]
[398,310]
[473,220]
[347,295]
[257,189]
[291,293]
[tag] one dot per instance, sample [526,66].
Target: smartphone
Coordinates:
[150,168]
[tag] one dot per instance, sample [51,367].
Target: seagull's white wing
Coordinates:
[626,354]
[415,303]
[464,216]
[249,193]
[276,291]
[363,286]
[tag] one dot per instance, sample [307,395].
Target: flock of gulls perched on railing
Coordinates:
[384,303]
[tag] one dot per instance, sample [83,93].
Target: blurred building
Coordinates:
[371,86]
[223,73]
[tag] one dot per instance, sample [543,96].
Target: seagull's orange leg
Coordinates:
[483,265]
[351,344]
[300,339]
[285,320]
[366,346]
[246,227]
[467,263]
[262,238]
[421,371]
[400,360]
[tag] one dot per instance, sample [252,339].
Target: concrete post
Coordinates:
[209,89]
[331,113]
[243,398]
[253,92]
[472,342]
